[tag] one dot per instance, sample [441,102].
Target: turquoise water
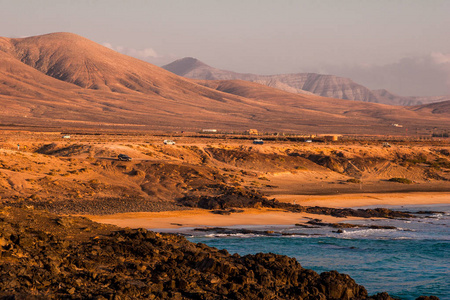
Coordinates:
[406,262]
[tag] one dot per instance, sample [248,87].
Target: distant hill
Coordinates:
[303,83]
[409,101]
[62,80]
[65,78]
[435,108]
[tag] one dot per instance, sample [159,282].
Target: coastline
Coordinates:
[368,199]
[265,216]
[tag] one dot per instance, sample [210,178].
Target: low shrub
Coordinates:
[353,180]
[401,180]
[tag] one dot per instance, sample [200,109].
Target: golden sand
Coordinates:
[200,217]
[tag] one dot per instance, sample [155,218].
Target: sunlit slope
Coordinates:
[328,111]
[63,79]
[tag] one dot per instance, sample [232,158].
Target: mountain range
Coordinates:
[64,80]
[302,83]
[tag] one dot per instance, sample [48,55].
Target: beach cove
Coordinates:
[264,216]
[405,261]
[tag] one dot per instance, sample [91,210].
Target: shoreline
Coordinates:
[265,216]
[205,218]
[352,200]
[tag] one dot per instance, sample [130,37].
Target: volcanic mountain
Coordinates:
[65,80]
[302,83]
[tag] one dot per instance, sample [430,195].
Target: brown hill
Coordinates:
[193,68]
[335,113]
[101,85]
[435,108]
[409,101]
[74,59]
[62,79]
[302,83]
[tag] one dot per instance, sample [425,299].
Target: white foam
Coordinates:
[239,235]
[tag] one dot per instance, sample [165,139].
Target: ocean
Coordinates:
[406,262]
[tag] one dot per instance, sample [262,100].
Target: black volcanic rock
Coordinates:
[44,256]
[241,198]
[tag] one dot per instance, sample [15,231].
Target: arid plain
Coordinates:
[82,175]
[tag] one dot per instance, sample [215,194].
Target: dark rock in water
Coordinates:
[428,212]
[427,298]
[41,258]
[306,226]
[382,296]
[380,227]
[233,231]
[318,222]
[347,225]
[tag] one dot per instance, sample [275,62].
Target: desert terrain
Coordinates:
[82,175]
[46,180]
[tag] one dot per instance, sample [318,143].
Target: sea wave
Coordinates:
[366,232]
[238,235]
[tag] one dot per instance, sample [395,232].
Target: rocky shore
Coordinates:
[233,198]
[228,200]
[46,256]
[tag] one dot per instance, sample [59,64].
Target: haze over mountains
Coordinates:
[302,83]
[64,80]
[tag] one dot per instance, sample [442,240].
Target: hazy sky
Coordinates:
[403,46]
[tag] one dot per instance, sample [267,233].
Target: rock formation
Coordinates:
[45,256]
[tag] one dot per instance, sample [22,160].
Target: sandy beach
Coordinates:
[201,217]
[357,200]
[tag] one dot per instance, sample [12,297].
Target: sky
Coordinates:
[400,45]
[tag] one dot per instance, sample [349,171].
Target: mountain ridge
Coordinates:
[303,83]
[65,80]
